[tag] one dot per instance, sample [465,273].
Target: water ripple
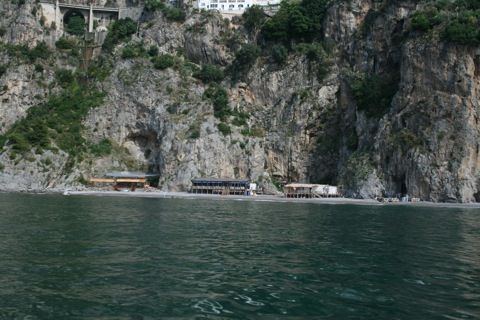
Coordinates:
[115,258]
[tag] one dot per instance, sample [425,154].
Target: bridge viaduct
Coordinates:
[60,12]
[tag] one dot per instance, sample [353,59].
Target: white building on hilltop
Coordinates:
[233,6]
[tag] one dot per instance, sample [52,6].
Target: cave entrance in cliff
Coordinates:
[477,196]
[401,186]
[403,189]
[74,22]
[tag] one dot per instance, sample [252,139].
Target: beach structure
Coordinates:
[223,186]
[306,190]
[124,180]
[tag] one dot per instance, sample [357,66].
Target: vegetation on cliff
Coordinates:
[56,123]
[457,21]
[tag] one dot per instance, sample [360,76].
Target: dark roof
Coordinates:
[219,180]
[129,174]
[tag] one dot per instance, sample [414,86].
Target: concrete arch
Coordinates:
[72,13]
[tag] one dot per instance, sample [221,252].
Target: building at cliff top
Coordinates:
[306,190]
[223,186]
[233,6]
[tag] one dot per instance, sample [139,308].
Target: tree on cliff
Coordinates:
[296,21]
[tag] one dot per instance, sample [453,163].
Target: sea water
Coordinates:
[88,257]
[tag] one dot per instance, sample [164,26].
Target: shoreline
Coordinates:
[264,198]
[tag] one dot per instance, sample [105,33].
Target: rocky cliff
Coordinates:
[303,120]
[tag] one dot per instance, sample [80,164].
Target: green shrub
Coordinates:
[300,23]
[153,5]
[119,31]
[239,122]
[426,20]
[153,51]
[163,61]
[463,29]
[103,148]
[373,93]
[64,77]
[466,4]
[195,134]
[219,98]
[247,54]
[240,118]
[314,10]
[314,51]
[276,28]
[16,51]
[65,43]
[129,52]
[18,142]
[209,73]
[224,128]
[245,57]
[40,51]
[279,53]
[3,31]
[174,14]
[420,22]
[253,17]
[100,69]
[3,69]
[75,25]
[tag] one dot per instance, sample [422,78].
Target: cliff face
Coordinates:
[301,127]
[427,143]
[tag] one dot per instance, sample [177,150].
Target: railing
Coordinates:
[85,4]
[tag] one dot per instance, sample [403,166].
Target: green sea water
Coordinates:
[87,257]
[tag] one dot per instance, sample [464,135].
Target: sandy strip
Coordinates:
[265,198]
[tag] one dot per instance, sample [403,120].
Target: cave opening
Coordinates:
[403,189]
[477,196]
[400,186]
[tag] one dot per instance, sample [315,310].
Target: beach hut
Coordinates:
[299,190]
[308,190]
[223,186]
[125,180]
